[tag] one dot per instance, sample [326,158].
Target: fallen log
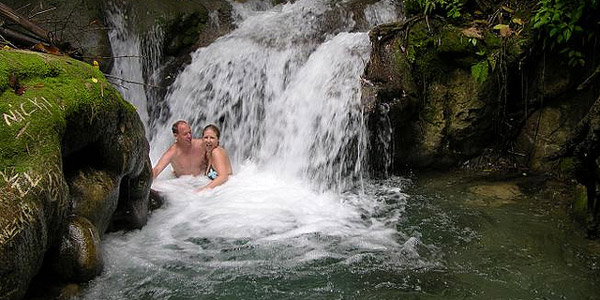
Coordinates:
[17,36]
[38,31]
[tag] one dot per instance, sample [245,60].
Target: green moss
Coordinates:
[33,122]
[566,166]
[452,40]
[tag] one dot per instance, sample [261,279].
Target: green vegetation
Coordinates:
[450,8]
[567,25]
[39,92]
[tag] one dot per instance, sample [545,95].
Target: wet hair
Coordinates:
[214,128]
[175,127]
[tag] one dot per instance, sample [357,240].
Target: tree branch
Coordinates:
[134,82]
[13,16]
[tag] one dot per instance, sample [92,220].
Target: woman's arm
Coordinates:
[220,162]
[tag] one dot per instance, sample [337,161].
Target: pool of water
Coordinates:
[502,239]
[433,237]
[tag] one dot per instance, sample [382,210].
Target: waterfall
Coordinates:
[293,222]
[284,88]
[136,69]
[385,11]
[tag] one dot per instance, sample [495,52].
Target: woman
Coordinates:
[218,167]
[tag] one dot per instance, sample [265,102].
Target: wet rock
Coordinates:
[542,136]
[440,113]
[79,257]
[94,194]
[156,199]
[68,145]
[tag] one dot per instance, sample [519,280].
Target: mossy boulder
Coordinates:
[72,152]
[441,108]
[542,136]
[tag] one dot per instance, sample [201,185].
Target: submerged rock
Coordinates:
[73,153]
[495,194]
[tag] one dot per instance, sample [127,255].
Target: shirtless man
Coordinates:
[187,156]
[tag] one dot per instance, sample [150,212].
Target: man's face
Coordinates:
[184,134]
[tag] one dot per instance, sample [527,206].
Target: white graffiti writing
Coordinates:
[23,183]
[18,114]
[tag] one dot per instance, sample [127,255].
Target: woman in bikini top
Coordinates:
[219,166]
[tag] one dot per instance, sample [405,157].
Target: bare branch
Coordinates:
[133,82]
[42,12]
[25,23]
[18,36]
[587,82]
[118,56]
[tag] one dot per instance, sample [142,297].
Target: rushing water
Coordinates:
[298,220]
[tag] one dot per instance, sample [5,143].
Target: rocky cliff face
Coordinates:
[443,112]
[421,71]
[488,93]
[73,162]
[80,27]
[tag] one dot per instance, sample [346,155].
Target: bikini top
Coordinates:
[212,173]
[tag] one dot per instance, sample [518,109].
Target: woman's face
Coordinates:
[210,139]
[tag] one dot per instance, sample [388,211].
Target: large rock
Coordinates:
[440,111]
[73,154]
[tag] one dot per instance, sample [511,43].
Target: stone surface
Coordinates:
[71,149]
[440,113]
[79,258]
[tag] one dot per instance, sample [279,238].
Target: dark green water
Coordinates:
[520,246]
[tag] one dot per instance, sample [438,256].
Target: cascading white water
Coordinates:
[136,69]
[285,89]
[126,44]
[288,224]
[382,12]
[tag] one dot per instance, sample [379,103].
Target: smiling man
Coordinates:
[187,155]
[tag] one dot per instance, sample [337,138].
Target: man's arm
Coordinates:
[163,161]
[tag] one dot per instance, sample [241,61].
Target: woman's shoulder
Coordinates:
[219,151]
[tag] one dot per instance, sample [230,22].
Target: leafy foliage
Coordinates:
[479,71]
[451,8]
[561,23]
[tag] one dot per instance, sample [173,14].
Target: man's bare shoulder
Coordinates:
[198,142]
[172,149]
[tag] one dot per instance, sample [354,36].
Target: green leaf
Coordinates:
[567,34]
[479,71]
[492,62]
[517,21]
